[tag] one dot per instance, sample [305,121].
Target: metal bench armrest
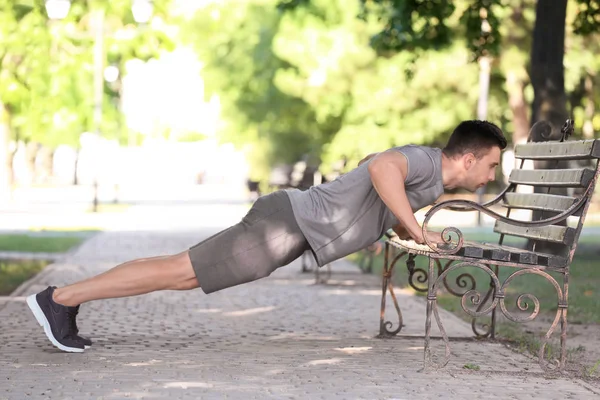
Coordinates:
[468,205]
[490,203]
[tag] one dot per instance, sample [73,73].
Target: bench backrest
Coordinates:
[556,190]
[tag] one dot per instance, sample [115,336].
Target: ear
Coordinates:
[469,160]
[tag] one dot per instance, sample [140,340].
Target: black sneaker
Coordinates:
[87,342]
[57,320]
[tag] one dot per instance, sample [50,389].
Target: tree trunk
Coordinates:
[10,172]
[547,78]
[547,69]
[518,107]
[75,180]
[588,126]
[4,153]
[31,149]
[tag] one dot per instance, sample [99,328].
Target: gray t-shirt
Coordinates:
[346,215]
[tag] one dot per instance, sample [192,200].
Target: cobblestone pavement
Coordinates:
[280,337]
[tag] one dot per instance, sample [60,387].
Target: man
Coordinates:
[330,220]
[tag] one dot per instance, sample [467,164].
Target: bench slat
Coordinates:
[489,253]
[496,252]
[539,201]
[571,150]
[553,233]
[580,177]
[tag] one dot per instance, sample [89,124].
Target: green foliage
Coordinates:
[322,80]
[46,76]
[411,24]
[480,21]
[587,20]
[263,113]
[304,80]
[15,272]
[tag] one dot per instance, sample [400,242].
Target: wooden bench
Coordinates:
[558,219]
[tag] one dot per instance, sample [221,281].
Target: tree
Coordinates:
[306,79]
[340,79]
[43,60]
[242,66]
[547,67]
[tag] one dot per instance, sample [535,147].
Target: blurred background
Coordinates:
[110,99]
[154,115]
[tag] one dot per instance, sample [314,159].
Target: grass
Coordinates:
[594,368]
[529,343]
[36,244]
[15,272]
[473,367]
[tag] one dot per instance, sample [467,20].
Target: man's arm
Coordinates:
[401,231]
[367,158]
[388,172]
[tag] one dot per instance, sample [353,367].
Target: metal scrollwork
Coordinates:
[472,298]
[464,281]
[385,327]
[449,246]
[487,329]
[522,305]
[472,295]
[419,274]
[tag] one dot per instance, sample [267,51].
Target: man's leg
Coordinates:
[266,239]
[132,278]
[55,309]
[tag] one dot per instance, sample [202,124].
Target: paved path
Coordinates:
[281,337]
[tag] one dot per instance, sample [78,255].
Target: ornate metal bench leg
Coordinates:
[563,321]
[563,339]
[386,285]
[427,352]
[562,309]
[549,366]
[493,290]
[432,307]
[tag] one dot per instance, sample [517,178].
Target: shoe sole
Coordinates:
[43,321]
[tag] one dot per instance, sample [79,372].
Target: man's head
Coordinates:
[474,148]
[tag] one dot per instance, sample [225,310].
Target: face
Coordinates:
[478,172]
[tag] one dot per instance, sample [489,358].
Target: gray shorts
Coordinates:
[267,238]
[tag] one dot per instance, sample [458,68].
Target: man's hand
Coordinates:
[433,237]
[402,232]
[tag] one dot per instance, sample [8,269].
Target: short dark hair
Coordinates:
[475,137]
